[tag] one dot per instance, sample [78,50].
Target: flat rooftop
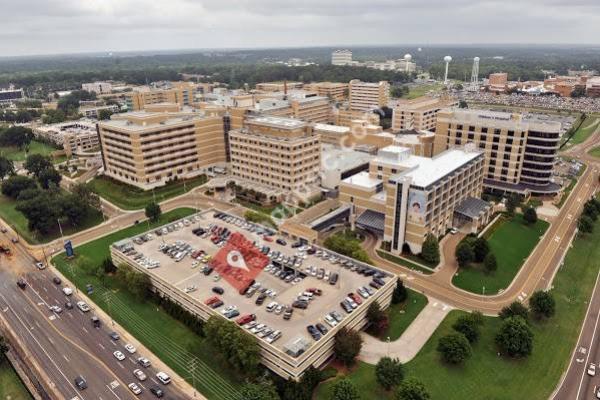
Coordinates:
[278,122]
[363,180]
[429,170]
[333,158]
[143,120]
[185,274]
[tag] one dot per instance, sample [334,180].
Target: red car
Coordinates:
[315,291]
[211,300]
[268,238]
[356,298]
[244,319]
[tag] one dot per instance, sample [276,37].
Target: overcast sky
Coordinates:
[64,26]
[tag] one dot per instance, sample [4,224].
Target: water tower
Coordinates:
[474,86]
[407,58]
[447,60]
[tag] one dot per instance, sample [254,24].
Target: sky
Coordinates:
[74,26]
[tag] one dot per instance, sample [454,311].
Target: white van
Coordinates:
[67,291]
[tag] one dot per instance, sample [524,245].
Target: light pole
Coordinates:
[60,229]
[387,339]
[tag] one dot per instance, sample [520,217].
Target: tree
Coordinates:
[389,372]
[54,117]
[344,389]
[512,202]
[239,348]
[462,104]
[42,212]
[104,114]
[464,254]
[15,184]
[259,391]
[3,349]
[468,325]
[489,263]
[589,209]
[515,309]
[86,195]
[411,389]
[530,216]
[578,91]
[515,338]
[399,294]
[431,250]
[6,167]
[16,136]
[481,248]
[49,177]
[585,224]
[347,345]
[377,318]
[542,304]
[36,163]
[153,212]
[74,209]
[454,348]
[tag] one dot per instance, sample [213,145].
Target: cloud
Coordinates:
[58,26]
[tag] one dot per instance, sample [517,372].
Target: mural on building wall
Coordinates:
[417,203]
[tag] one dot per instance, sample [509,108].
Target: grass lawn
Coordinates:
[35,147]
[511,241]
[11,386]
[402,315]
[130,197]
[18,221]
[403,262]
[595,152]
[487,376]
[170,340]
[421,90]
[585,130]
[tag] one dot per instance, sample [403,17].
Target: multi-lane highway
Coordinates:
[66,345]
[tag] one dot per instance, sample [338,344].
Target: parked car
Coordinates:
[134,388]
[140,374]
[81,383]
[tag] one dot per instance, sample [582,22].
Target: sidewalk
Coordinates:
[411,341]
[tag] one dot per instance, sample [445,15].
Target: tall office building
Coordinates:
[520,150]
[420,113]
[312,109]
[341,57]
[366,96]
[335,91]
[276,152]
[148,149]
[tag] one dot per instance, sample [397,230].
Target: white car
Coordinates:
[591,371]
[134,388]
[67,291]
[140,374]
[190,289]
[163,378]
[83,306]
[40,265]
[118,355]
[56,309]
[130,348]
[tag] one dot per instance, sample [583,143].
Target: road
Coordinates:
[66,345]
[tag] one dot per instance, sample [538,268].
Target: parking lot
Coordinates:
[276,287]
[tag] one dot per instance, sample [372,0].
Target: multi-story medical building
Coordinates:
[366,96]
[403,197]
[520,150]
[97,87]
[312,109]
[181,93]
[276,152]
[335,91]
[73,136]
[420,113]
[341,57]
[150,148]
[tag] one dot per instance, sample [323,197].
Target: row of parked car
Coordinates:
[262,331]
[241,223]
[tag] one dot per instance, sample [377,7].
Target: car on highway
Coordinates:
[130,348]
[144,362]
[81,383]
[134,388]
[67,291]
[114,336]
[163,378]
[40,265]
[57,280]
[118,355]
[21,283]
[598,392]
[83,306]
[591,370]
[156,391]
[140,374]
[96,322]
[56,309]
[68,305]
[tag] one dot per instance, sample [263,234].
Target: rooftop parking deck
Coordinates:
[215,250]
